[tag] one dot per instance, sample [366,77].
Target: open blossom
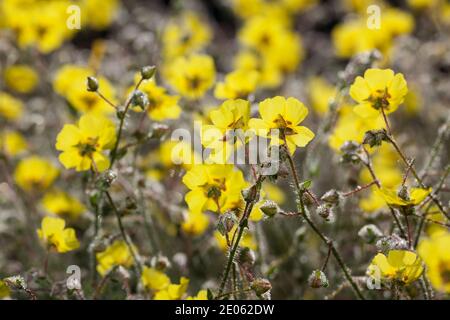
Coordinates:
[213,187]
[82,145]
[54,233]
[401,265]
[62,204]
[117,254]
[237,84]
[229,123]
[192,76]
[379,90]
[35,174]
[284,115]
[415,197]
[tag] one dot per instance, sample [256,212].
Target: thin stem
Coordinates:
[359,188]
[106,99]
[322,236]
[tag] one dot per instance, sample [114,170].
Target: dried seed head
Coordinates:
[375,137]
[318,279]
[92,84]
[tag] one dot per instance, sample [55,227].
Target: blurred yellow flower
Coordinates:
[10,107]
[35,174]
[269,75]
[214,187]
[436,255]
[173,291]
[117,254]
[5,292]
[99,14]
[62,204]
[247,240]
[351,127]
[154,279]
[21,78]
[82,145]
[55,235]
[285,115]
[320,94]
[201,295]
[195,223]
[400,265]
[378,90]
[185,35]
[70,82]
[192,76]
[12,143]
[237,84]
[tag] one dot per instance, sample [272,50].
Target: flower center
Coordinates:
[283,125]
[87,148]
[214,190]
[380,100]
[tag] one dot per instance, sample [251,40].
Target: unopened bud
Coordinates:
[226,222]
[106,180]
[392,242]
[325,211]
[261,286]
[269,208]
[92,84]
[403,193]
[140,99]
[159,130]
[370,233]
[160,262]
[148,72]
[350,151]
[247,257]
[318,279]
[331,197]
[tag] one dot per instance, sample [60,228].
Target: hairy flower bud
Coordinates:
[92,84]
[325,211]
[160,262]
[270,208]
[392,242]
[403,193]
[247,257]
[140,99]
[148,72]
[159,130]
[331,197]
[350,152]
[106,179]
[226,222]
[318,279]
[261,286]
[370,233]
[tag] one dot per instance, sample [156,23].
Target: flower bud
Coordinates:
[92,84]
[392,242]
[160,262]
[261,286]
[269,208]
[106,179]
[140,99]
[148,72]
[159,130]
[318,279]
[226,222]
[370,233]
[403,193]
[325,211]
[331,197]
[307,199]
[247,257]
[350,151]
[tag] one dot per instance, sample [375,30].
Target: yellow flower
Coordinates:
[185,36]
[12,143]
[436,255]
[5,292]
[70,82]
[379,89]
[35,174]
[269,75]
[10,108]
[173,291]
[195,223]
[247,240]
[162,106]
[320,94]
[351,127]
[62,204]
[55,235]
[416,196]
[21,78]
[261,33]
[154,279]
[237,84]
[99,14]
[400,265]
[229,125]
[201,295]
[214,187]
[82,145]
[285,115]
[117,254]
[192,76]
